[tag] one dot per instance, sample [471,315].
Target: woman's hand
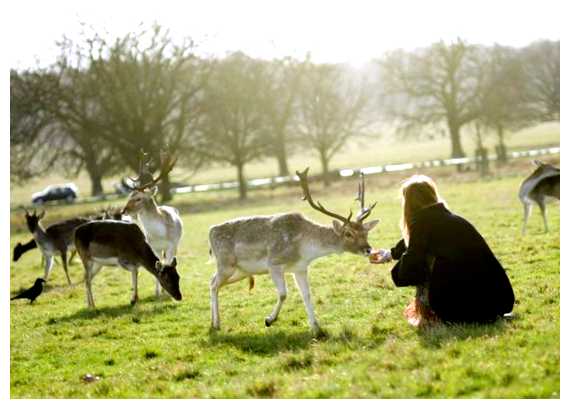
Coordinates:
[380,256]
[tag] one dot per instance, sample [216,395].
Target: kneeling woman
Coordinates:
[457,276]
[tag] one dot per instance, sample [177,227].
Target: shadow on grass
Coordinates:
[120,310]
[436,336]
[262,343]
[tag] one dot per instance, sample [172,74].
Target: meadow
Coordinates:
[163,348]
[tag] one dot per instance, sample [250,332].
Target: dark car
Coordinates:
[67,192]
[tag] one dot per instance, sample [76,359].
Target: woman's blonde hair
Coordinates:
[417,192]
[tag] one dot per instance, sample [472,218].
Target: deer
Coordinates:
[108,213]
[542,183]
[56,240]
[162,225]
[286,242]
[118,243]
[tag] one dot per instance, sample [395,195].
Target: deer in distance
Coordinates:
[542,183]
[56,240]
[108,213]
[161,225]
[281,243]
[118,243]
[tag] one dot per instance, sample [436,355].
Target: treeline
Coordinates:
[102,103]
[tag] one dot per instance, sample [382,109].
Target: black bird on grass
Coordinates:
[33,292]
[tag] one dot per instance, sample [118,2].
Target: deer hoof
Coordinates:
[268,321]
[134,301]
[320,334]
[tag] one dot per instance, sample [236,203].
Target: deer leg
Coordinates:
[91,269]
[47,265]
[279,280]
[64,262]
[527,211]
[219,279]
[542,207]
[134,278]
[303,284]
[72,255]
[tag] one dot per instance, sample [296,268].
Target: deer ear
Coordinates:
[370,225]
[158,266]
[337,227]
[537,163]
[154,191]
[173,264]
[41,215]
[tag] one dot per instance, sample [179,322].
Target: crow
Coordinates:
[33,292]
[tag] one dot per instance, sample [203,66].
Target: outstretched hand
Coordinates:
[380,256]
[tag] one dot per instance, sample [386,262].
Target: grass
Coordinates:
[360,153]
[163,348]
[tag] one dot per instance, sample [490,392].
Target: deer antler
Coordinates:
[364,211]
[318,206]
[144,161]
[166,165]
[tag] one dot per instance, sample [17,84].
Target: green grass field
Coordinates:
[163,348]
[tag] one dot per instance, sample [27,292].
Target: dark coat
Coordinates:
[466,283]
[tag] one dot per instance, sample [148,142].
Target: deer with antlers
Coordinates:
[162,225]
[282,243]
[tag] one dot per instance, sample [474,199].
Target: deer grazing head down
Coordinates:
[353,234]
[169,278]
[145,185]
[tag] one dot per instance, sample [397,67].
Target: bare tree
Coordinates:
[34,146]
[148,93]
[234,126]
[502,102]
[281,101]
[332,109]
[542,69]
[433,85]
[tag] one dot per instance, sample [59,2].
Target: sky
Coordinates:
[332,31]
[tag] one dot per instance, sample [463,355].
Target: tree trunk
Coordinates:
[455,135]
[96,184]
[281,156]
[325,168]
[164,189]
[96,177]
[242,182]
[501,148]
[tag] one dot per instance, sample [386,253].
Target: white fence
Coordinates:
[273,182]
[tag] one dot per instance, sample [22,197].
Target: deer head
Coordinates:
[169,278]
[145,184]
[353,234]
[33,219]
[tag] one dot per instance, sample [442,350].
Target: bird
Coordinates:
[33,292]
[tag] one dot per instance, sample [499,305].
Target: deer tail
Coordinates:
[251,283]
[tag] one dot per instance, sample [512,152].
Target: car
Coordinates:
[67,192]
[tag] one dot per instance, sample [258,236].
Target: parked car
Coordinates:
[67,192]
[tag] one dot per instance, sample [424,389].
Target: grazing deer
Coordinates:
[284,243]
[544,182]
[117,243]
[57,239]
[162,225]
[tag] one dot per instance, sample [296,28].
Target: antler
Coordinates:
[318,206]
[144,161]
[364,211]
[166,165]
